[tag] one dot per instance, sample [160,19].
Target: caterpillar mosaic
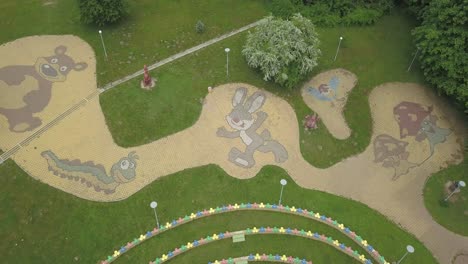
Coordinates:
[91,174]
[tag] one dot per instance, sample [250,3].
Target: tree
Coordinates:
[102,12]
[442,40]
[284,50]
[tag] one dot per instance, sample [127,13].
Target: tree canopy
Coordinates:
[442,42]
[284,50]
[101,12]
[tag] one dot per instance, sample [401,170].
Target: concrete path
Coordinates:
[14,148]
[78,155]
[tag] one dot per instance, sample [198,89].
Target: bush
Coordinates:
[102,12]
[200,27]
[361,16]
[284,50]
[283,8]
[333,12]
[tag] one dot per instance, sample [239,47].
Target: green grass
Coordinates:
[452,214]
[153,31]
[376,54]
[39,224]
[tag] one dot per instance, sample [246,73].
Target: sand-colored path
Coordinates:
[327,94]
[79,156]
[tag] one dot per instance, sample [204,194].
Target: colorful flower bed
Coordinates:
[250,206]
[263,257]
[264,231]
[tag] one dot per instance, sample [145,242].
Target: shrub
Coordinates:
[200,27]
[283,8]
[102,12]
[362,16]
[284,50]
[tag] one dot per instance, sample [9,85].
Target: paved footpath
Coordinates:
[8,153]
[79,140]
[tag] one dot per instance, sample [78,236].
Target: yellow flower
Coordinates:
[364,242]
[142,237]
[293,209]
[261,205]
[255,230]
[284,258]
[341,226]
[386,262]
[215,237]
[211,210]
[189,245]
[281,230]
[116,253]
[236,206]
[192,216]
[168,225]
[216,262]
[164,257]
[362,258]
[309,233]
[336,243]
[317,215]
[257,256]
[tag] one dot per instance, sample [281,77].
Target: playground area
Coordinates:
[53,127]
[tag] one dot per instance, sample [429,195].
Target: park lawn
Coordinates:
[40,224]
[376,54]
[153,30]
[453,215]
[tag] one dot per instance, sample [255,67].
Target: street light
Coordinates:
[409,249]
[227,61]
[104,46]
[409,68]
[283,182]
[459,185]
[339,43]
[153,205]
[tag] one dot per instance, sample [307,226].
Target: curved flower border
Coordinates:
[282,258]
[254,206]
[264,231]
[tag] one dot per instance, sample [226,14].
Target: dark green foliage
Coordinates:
[283,8]
[333,12]
[442,41]
[200,27]
[102,12]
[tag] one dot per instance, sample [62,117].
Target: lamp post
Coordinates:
[459,185]
[227,61]
[283,182]
[339,43]
[409,249]
[102,40]
[153,205]
[409,68]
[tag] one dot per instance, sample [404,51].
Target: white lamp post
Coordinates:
[409,249]
[339,43]
[459,185]
[283,182]
[153,205]
[409,68]
[227,61]
[104,46]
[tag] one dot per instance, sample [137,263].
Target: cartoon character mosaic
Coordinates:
[326,92]
[27,89]
[416,121]
[245,126]
[91,174]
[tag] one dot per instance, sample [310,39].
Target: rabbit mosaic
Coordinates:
[244,119]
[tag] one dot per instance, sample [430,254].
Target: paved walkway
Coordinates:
[9,152]
[72,147]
